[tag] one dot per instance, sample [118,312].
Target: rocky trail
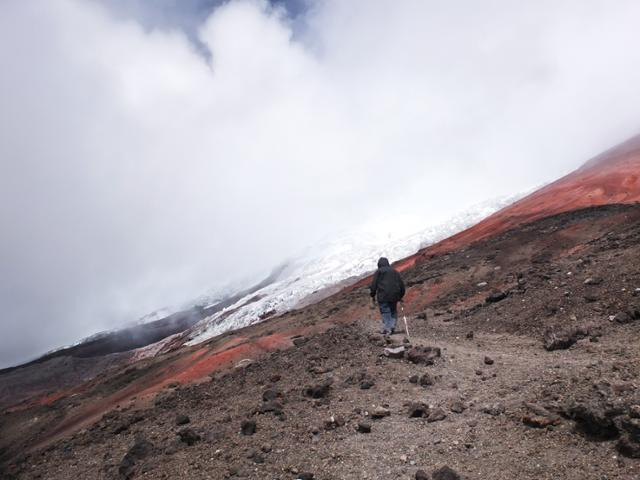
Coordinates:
[523,363]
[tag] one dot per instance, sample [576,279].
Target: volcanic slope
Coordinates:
[488,400]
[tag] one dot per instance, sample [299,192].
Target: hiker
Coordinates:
[388,286]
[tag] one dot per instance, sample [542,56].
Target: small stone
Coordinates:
[457,406]
[188,436]
[470,335]
[413,379]
[493,409]
[182,420]
[248,427]
[427,380]
[305,476]
[403,458]
[422,475]
[445,473]
[436,414]
[299,341]
[380,412]
[364,427]
[270,394]
[417,409]
[488,361]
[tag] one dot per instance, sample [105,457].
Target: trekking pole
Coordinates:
[406,325]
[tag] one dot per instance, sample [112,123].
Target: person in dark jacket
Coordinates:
[388,287]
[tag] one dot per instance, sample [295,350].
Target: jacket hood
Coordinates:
[383,262]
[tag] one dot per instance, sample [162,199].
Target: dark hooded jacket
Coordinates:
[387,283]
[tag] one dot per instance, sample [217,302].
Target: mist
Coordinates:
[140,168]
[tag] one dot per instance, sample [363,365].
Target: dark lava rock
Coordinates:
[248,427]
[488,361]
[318,391]
[423,355]
[457,406]
[623,317]
[445,473]
[629,446]
[275,378]
[299,341]
[418,409]
[593,420]
[140,450]
[422,475]
[470,335]
[413,379]
[364,427]
[562,339]
[188,436]
[182,420]
[271,394]
[422,316]
[271,406]
[367,384]
[305,476]
[496,297]
[256,456]
[427,380]
[436,414]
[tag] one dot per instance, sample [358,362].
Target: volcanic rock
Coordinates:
[364,427]
[457,406]
[271,394]
[445,473]
[493,409]
[320,390]
[423,355]
[555,339]
[140,450]
[188,436]
[496,297]
[593,420]
[380,412]
[436,414]
[418,409]
[182,420]
[422,475]
[248,427]
[427,380]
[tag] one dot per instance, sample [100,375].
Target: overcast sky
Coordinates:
[150,151]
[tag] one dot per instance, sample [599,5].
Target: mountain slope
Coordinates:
[541,268]
[493,404]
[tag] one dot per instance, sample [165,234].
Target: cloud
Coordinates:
[136,172]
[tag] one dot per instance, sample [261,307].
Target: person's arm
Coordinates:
[374,286]
[402,290]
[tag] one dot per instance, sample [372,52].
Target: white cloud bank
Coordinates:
[134,173]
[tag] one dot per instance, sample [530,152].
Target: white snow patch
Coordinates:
[352,254]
